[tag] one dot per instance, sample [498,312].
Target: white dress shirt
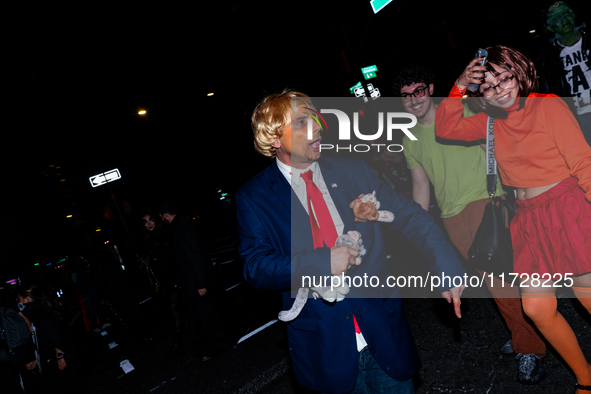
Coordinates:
[299,187]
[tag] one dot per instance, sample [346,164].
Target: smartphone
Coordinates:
[473,87]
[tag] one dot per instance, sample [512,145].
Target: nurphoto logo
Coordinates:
[344,132]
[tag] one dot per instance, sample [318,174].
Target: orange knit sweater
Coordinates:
[539,145]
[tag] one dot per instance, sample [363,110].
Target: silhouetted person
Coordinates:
[57,360]
[157,262]
[195,271]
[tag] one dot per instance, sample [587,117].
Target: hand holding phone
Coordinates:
[473,87]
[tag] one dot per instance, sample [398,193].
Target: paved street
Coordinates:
[458,357]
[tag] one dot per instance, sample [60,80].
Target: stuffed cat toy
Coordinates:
[353,240]
[365,208]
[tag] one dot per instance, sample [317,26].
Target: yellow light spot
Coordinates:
[69,216]
[209,94]
[142,112]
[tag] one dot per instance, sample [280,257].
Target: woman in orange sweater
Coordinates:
[540,151]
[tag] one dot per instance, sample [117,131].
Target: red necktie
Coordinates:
[357,329]
[324,230]
[327,231]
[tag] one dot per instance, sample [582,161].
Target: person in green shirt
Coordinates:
[457,172]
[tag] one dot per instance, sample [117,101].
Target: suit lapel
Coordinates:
[279,185]
[285,194]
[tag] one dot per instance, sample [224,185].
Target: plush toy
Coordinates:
[365,208]
[328,294]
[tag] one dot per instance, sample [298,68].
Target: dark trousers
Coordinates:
[371,378]
[208,334]
[10,381]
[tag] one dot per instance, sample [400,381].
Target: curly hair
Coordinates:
[546,12]
[410,75]
[271,116]
[522,68]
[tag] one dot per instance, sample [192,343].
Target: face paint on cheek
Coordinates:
[560,16]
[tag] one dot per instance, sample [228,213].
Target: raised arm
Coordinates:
[450,122]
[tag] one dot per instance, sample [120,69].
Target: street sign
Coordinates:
[352,88]
[375,93]
[360,92]
[105,177]
[377,5]
[369,72]
[369,69]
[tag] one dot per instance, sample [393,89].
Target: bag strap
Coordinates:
[491,161]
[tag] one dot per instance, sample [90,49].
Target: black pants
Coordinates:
[208,334]
[10,381]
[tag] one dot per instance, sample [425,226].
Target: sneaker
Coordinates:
[507,348]
[530,368]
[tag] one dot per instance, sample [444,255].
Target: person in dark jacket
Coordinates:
[196,273]
[56,361]
[10,369]
[565,68]
[155,256]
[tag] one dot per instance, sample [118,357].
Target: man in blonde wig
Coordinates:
[289,217]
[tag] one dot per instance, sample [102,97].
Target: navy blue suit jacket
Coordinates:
[276,246]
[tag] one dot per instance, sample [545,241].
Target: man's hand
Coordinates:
[61,363]
[32,365]
[341,258]
[202,292]
[454,294]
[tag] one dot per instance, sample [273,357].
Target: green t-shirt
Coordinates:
[457,172]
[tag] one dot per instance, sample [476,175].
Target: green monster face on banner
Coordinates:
[561,19]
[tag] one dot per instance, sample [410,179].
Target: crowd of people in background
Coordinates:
[165,257]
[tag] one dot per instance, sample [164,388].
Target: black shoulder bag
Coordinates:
[491,250]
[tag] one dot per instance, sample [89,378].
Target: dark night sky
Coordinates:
[77,77]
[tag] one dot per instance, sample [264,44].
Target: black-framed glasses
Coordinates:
[418,92]
[504,83]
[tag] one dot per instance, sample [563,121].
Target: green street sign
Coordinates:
[366,70]
[377,5]
[369,75]
[352,88]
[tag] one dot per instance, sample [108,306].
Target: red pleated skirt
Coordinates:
[551,233]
